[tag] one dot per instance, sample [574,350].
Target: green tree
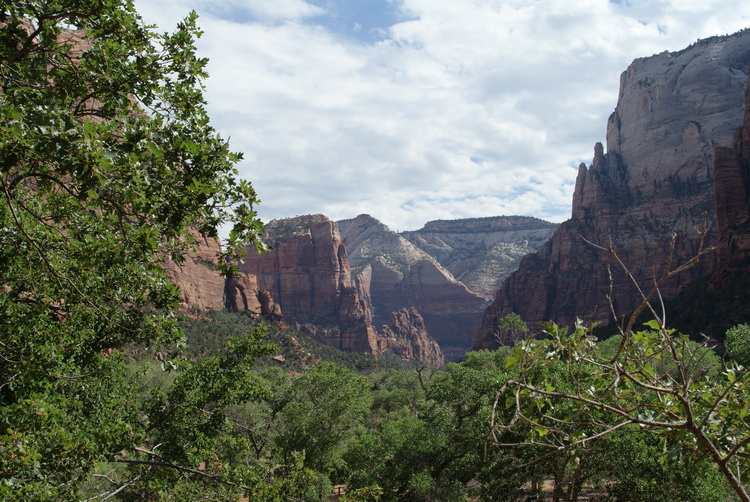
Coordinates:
[432,437]
[738,344]
[513,327]
[316,415]
[107,161]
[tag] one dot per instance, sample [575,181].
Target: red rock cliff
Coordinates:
[405,335]
[655,180]
[732,189]
[307,273]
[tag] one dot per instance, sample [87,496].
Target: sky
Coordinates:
[417,110]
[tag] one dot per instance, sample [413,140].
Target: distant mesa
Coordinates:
[482,252]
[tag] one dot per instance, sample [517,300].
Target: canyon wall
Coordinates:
[655,181]
[393,274]
[732,189]
[482,252]
[406,336]
[309,279]
[307,273]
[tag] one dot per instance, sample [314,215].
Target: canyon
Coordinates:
[358,286]
[673,179]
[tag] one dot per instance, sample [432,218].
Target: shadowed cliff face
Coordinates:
[655,180]
[732,189]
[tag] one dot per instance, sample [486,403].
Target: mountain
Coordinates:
[482,252]
[655,180]
[308,275]
[393,274]
[720,300]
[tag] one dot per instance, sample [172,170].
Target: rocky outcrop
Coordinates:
[393,274]
[242,294]
[202,287]
[307,273]
[405,335]
[655,180]
[306,281]
[482,252]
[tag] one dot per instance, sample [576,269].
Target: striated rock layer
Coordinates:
[482,252]
[655,180]
[392,274]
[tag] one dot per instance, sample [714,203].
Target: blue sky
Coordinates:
[365,20]
[414,110]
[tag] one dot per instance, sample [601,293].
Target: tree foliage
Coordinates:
[107,161]
[572,392]
[513,326]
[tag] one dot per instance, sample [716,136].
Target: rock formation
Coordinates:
[306,281]
[202,287]
[405,335]
[482,252]
[393,274]
[307,273]
[655,180]
[732,189]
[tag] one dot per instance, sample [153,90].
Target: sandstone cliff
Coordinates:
[732,189]
[482,252]
[405,335]
[655,180]
[306,281]
[202,287]
[393,274]
[307,273]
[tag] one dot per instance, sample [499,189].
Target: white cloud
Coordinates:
[333,125]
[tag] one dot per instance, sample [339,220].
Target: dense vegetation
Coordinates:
[410,432]
[108,166]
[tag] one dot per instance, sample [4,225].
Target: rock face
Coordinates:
[242,293]
[307,273]
[732,189]
[405,335]
[306,281]
[482,252]
[655,180]
[202,287]
[393,274]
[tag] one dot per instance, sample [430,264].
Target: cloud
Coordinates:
[341,125]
